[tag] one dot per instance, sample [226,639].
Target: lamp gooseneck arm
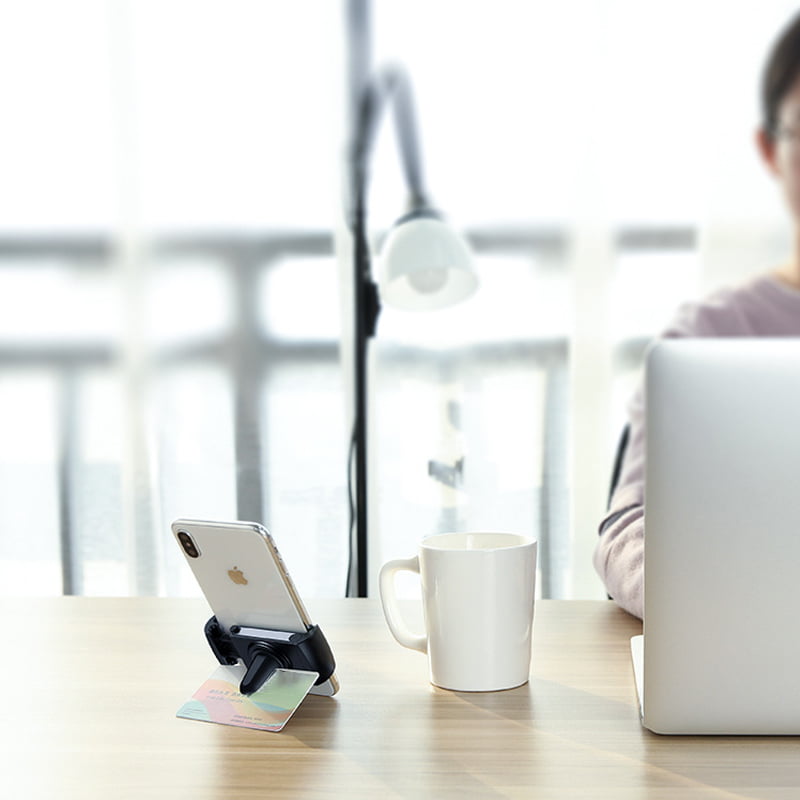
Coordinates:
[391,84]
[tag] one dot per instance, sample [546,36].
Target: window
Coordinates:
[172,254]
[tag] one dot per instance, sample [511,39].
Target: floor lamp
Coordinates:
[425,265]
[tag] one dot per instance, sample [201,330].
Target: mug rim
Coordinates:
[522,541]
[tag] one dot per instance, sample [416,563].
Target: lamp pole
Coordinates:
[389,86]
[429,266]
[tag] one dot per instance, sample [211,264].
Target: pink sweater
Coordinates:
[760,307]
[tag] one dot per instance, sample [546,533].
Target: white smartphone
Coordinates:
[244,579]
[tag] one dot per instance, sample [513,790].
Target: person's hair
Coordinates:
[780,72]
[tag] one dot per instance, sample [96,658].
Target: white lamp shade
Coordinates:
[426,265]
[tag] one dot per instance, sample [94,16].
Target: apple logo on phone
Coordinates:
[237,576]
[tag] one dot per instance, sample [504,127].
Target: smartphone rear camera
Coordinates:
[188,544]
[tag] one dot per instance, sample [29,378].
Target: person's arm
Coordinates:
[619,558]
[619,555]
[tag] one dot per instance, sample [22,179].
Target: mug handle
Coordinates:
[391,609]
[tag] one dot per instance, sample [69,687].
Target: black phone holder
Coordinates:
[263,651]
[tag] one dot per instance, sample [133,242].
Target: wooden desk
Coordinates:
[90,689]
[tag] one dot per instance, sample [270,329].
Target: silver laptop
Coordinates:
[721,649]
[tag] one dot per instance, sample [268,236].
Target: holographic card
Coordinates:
[269,709]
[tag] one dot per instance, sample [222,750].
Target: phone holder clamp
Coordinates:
[263,651]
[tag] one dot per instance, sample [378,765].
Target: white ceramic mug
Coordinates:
[477,598]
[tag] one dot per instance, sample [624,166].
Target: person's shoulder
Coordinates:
[732,310]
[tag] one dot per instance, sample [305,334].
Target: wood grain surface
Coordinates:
[91,686]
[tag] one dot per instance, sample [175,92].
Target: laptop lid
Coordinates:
[722,537]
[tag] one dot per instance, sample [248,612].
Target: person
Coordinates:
[767,305]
